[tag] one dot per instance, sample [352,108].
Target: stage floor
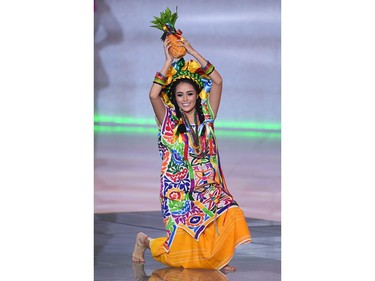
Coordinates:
[114,242]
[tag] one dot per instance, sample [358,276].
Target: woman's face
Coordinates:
[186,97]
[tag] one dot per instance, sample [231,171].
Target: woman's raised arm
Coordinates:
[155,98]
[217,81]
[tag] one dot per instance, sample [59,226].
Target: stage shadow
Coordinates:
[178,274]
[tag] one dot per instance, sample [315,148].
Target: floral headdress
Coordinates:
[191,70]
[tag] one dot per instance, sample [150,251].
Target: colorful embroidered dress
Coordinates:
[193,190]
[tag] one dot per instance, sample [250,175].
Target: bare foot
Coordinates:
[140,247]
[228,268]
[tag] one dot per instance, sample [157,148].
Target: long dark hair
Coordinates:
[198,106]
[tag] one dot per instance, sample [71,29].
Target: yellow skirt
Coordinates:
[214,249]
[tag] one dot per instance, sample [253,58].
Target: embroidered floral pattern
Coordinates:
[193,190]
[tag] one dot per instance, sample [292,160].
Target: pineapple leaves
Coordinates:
[165,17]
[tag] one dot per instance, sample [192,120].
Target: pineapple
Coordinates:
[166,23]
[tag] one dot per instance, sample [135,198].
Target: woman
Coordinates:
[203,222]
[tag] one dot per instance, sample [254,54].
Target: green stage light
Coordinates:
[218,124]
[247,134]
[247,125]
[124,120]
[152,131]
[125,130]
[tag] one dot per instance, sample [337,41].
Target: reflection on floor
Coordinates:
[174,274]
[114,242]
